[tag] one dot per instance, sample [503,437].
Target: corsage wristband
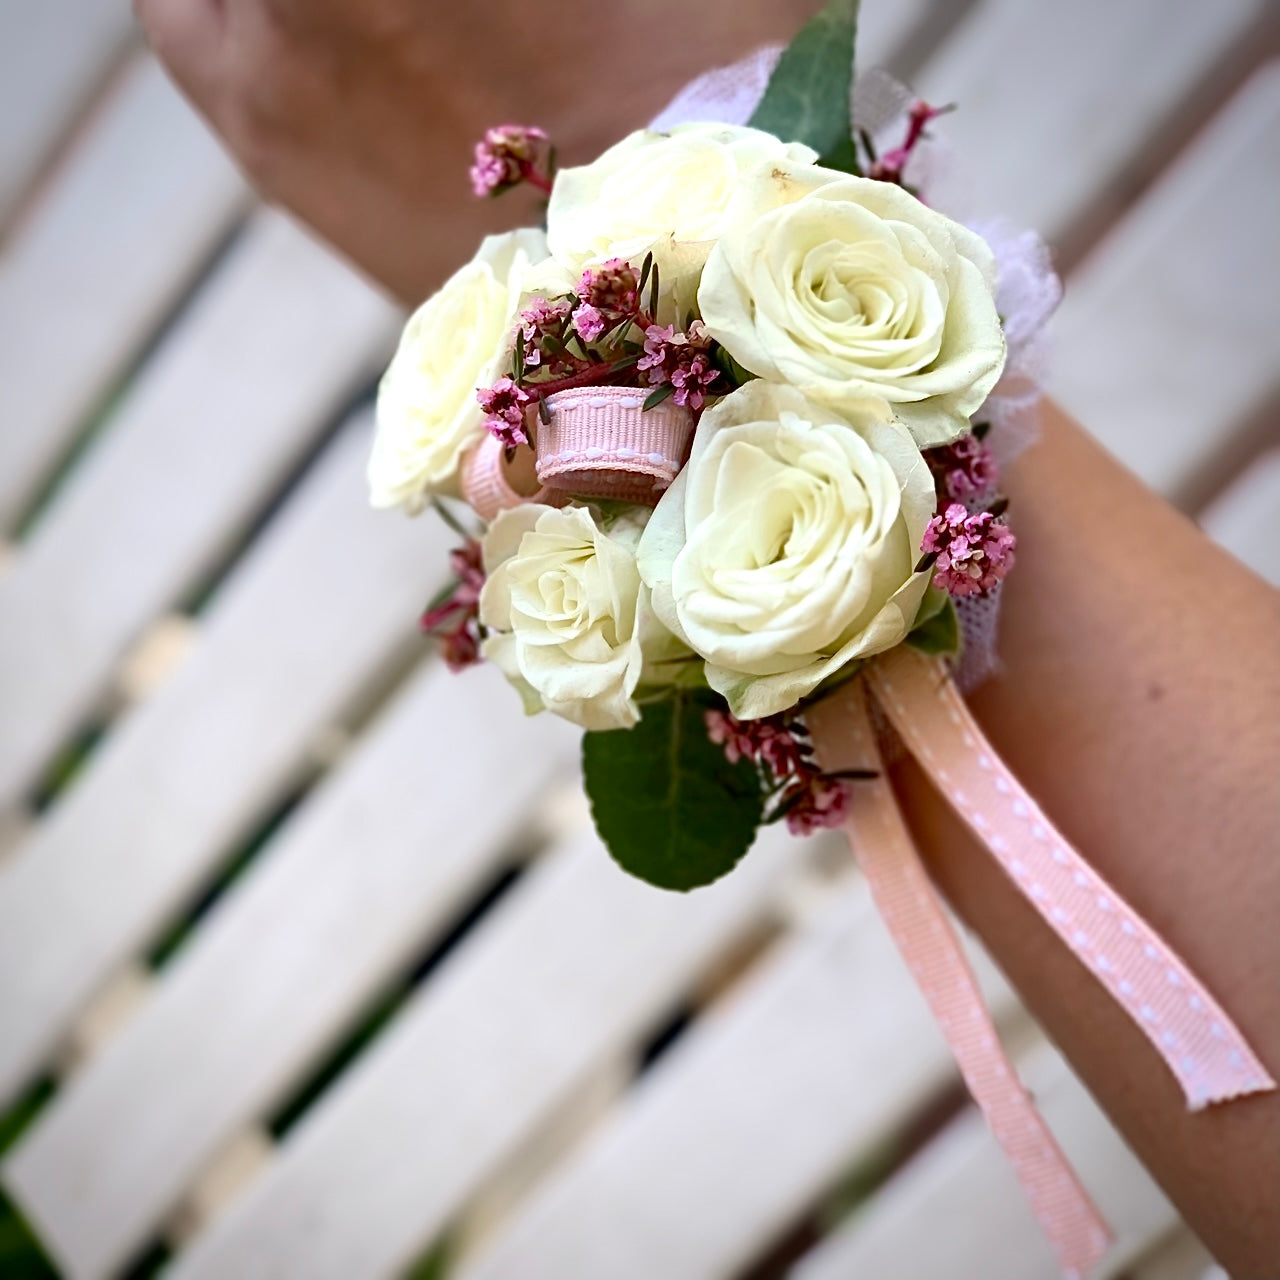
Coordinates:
[733,423]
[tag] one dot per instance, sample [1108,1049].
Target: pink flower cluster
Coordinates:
[504,405]
[505,157]
[965,471]
[681,359]
[810,799]
[541,334]
[456,620]
[974,552]
[608,295]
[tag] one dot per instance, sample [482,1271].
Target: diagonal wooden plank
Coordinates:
[979,1221]
[372,866]
[1058,101]
[53,55]
[84,283]
[327,598]
[1243,518]
[240,387]
[818,1060]
[565,974]
[1167,337]
[1180,1256]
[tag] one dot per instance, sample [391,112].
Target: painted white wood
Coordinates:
[564,976]
[1167,336]
[121,228]
[1057,100]
[1180,1256]
[53,55]
[1244,517]
[328,597]
[240,387]
[957,1209]
[376,862]
[884,29]
[820,1056]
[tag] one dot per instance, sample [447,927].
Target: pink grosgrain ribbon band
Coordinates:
[1197,1040]
[905,897]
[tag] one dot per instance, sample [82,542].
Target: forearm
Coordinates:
[1138,702]
[360,115]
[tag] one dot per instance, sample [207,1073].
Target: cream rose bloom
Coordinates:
[846,287]
[785,549]
[454,344]
[656,191]
[570,621]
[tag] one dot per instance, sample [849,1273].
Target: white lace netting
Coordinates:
[725,95]
[1027,287]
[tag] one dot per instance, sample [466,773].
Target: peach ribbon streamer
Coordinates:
[1197,1040]
[912,911]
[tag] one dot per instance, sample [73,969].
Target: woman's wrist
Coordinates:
[1137,701]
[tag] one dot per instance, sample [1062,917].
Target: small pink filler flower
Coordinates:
[965,470]
[504,405]
[682,359]
[811,799]
[505,157]
[974,552]
[455,621]
[607,295]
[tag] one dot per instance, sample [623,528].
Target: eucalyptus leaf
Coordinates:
[938,634]
[669,806]
[807,97]
[932,603]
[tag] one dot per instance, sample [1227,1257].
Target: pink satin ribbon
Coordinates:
[602,442]
[1197,1040]
[486,483]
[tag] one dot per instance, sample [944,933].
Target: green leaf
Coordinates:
[932,603]
[667,803]
[738,375]
[807,97]
[657,396]
[940,632]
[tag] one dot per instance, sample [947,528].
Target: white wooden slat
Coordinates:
[566,973]
[741,1127]
[1057,100]
[1167,335]
[358,882]
[85,281]
[1179,1257]
[979,1222]
[53,54]
[328,597]
[885,29]
[239,388]
[1243,519]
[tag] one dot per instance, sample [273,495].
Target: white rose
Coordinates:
[453,345]
[665,192]
[785,549]
[846,287]
[569,618]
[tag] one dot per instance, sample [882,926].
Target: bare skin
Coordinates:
[360,115]
[1138,702]
[1140,693]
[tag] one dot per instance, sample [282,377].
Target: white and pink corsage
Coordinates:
[729,432]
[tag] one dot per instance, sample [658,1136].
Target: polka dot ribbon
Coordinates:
[1197,1040]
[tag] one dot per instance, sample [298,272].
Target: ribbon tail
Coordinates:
[1204,1050]
[845,739]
